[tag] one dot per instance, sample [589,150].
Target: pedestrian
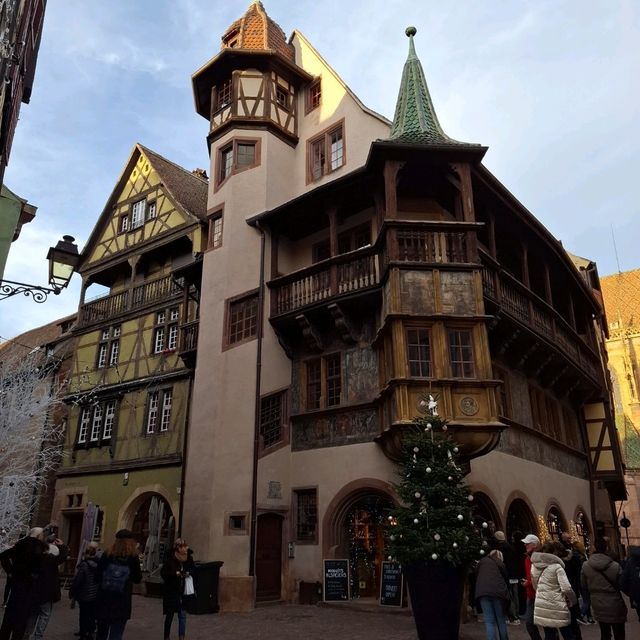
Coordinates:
[118,571]
[513,575]
[492,591]
[573,567]
[630,581]
[84,589]
[601,575]
[177,573]
[47,589]
[554,595]
[531,545]
[23,563]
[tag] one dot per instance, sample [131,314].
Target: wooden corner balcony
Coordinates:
[137,297]
[514,299]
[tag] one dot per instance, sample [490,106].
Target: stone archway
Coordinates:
[485,510]
[520,519]
[354,528]
[556,522]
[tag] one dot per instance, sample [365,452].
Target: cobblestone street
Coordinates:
[286,622]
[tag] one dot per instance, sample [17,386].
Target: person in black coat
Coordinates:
[84,589]
[47,589]
[513,574]
[177,568]
[113,604]
[630,580]
[23,562]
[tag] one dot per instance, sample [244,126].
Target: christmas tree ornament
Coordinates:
[446,499]
[455,545]
[455,449]
[460,517]
[470,498]
[390,518]
[415,450]
[417,494]
[444,427]
[434,556]
[484,525]
[428,469]
[481,552]
[429,427]
[436,537]
[392,538]
[415,521]
[389,558]
[449,478]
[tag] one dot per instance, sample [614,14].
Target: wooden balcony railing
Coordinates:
[421,245]
[526,307]
[347,273]
[116,304]
[189,336]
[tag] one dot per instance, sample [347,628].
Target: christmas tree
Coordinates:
[434,522]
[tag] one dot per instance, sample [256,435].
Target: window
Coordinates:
[461,354]
[124,223]
[236,156]
[223,95]
[109,347]
[215,230]
[165,332]
[355,238]
[325,153]
[306,505]
[159,411]
[324,382]
[97,422]
[273,418]
[237,523]
[314,96]
[151,211]
[419,353]
[282,97]
[242,319]
[137,214]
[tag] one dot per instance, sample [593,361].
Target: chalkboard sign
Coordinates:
[391,585]
[336,580]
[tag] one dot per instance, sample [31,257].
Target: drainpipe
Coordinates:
[185,441]
[256,427]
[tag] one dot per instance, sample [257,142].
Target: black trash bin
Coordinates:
[205,582]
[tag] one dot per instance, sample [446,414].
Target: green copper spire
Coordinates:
[415,120]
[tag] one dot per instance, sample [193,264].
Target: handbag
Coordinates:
[189,589]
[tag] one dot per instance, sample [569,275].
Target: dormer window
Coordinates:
[137,214]
[325,153]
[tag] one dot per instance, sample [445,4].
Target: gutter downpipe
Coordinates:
[185,444]
[256,429]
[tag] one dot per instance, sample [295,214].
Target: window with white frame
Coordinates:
[83,427]
[96,425]
[97,422]
[109,347]
[109,419]
[165,333]
[137,213]
[151,210]
[159,411]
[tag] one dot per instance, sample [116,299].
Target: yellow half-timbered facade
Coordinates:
[130,380]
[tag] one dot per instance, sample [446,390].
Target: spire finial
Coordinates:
[411,31]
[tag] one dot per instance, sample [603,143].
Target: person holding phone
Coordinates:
[177,573]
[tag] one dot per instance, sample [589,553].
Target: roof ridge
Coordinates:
[171,162]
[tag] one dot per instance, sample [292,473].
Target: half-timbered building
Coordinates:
[130,381]
[356,268]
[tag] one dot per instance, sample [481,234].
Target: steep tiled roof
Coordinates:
[621,293]
[415,120]
[188,189]
[256,30]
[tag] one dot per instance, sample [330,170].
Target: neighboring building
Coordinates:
[131,375]
[20,33]
[33,369]
[621,293]
[354,268]
[14,212]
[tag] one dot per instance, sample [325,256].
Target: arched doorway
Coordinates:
[153,527]
[485,511]
[556,523]
[364,533]
[520,520]
[269,557]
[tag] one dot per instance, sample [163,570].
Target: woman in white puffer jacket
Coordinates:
[552,586]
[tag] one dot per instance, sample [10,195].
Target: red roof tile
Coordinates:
[621,293]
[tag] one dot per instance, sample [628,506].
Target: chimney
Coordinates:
[201,173]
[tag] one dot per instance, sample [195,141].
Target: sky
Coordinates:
[550,86]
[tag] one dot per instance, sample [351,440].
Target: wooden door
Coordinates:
[269,557]
[74,533]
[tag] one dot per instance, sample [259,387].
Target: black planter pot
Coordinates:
[436,591]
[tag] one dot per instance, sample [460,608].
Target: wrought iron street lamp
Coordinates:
[63,259]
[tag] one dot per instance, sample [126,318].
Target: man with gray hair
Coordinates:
[531,544]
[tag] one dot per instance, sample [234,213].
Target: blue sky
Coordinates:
[550,86]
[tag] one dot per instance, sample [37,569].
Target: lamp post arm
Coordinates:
[9,288]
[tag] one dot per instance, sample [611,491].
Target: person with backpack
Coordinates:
[601,575]
[118,571]
[492,591]
[630,581]
[84,589]
[177,573]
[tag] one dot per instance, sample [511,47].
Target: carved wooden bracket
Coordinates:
[312,338]
[508,342]
[345,327]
